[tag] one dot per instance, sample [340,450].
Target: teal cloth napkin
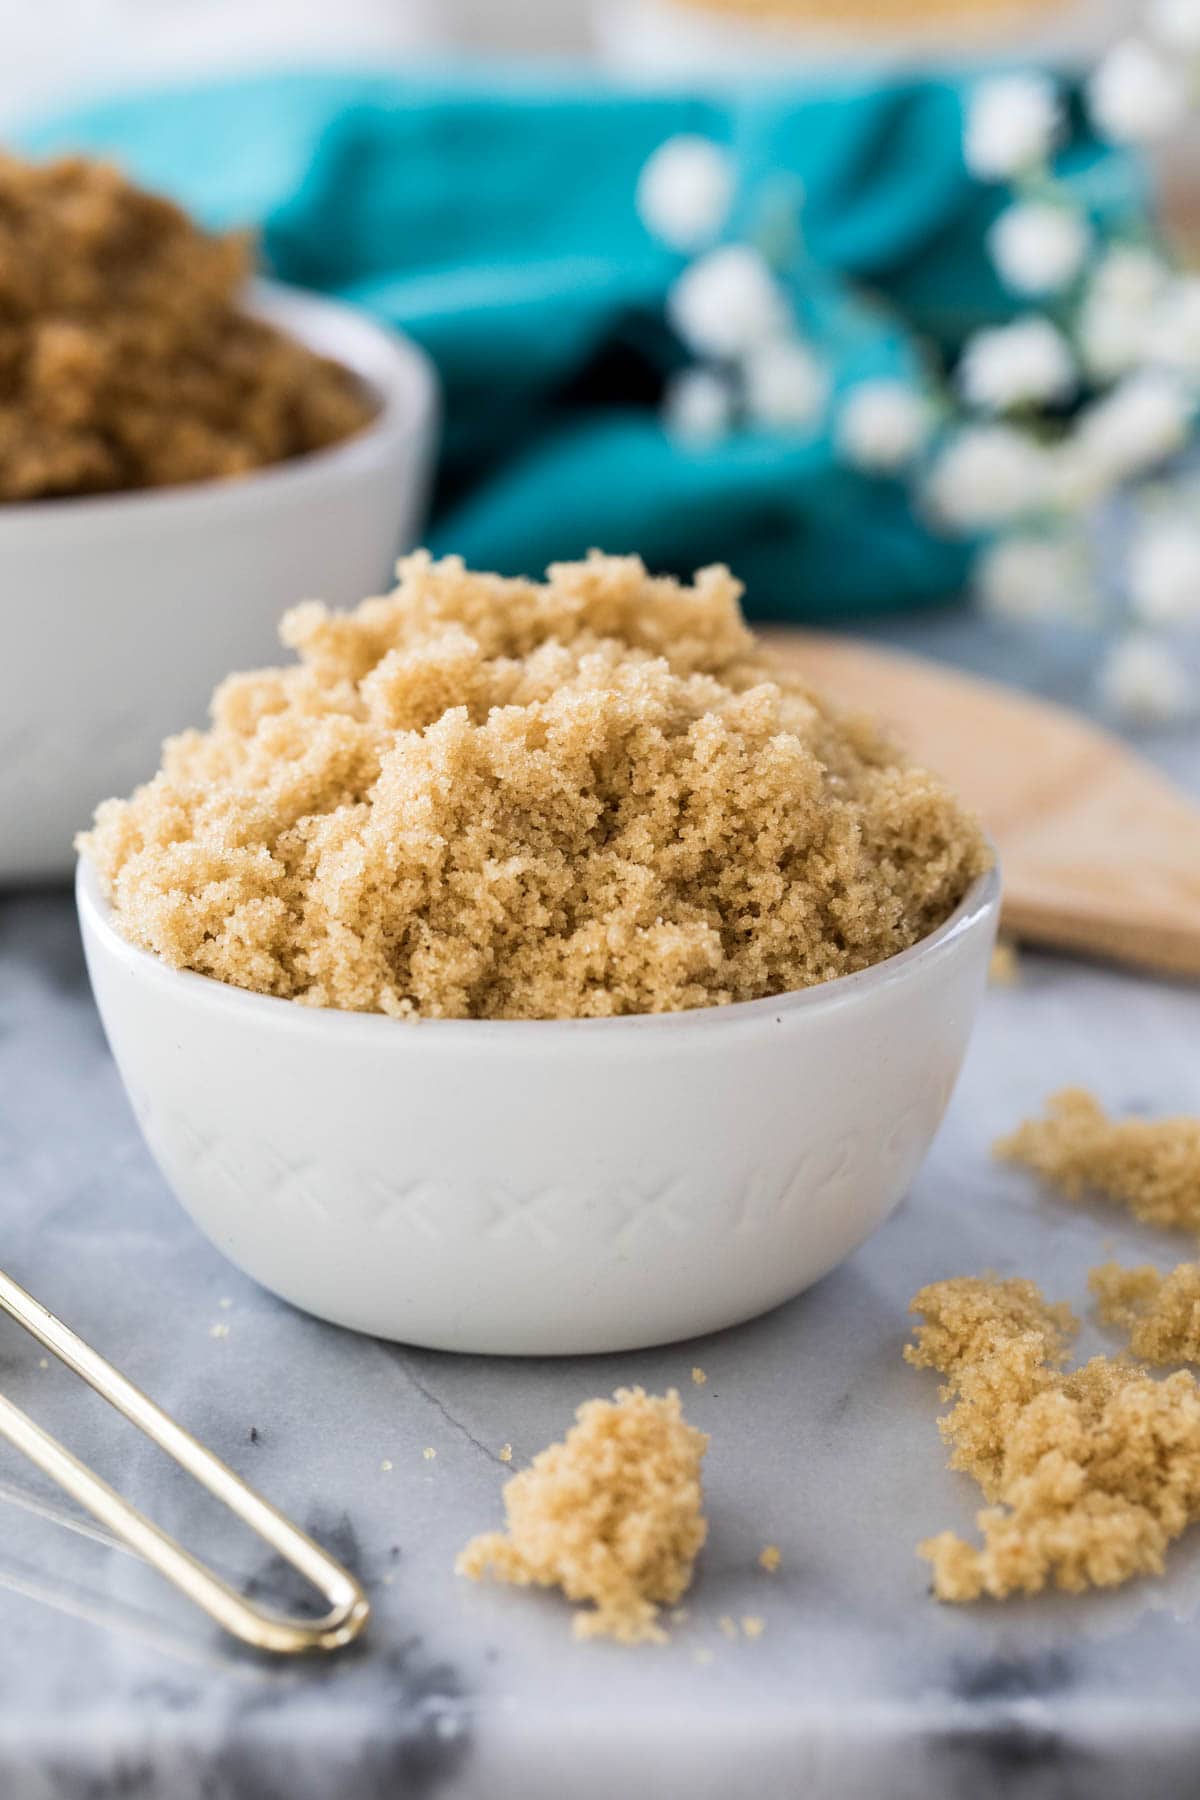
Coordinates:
[492,216]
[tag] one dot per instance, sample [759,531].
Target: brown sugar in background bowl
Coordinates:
[128,358]
[121,611]
[183,454]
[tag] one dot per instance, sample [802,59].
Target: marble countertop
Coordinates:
[823,1442]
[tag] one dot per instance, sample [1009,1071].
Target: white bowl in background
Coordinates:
[121,612]
[527,1187]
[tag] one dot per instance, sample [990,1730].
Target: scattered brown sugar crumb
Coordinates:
[1161,1313]
[1090,1472]
[505,1453]
[699,1377]
[487,798]
[770,1557]
[612,1515]
[753,1627]
[125,358]
[1152,1166]
[1004,970]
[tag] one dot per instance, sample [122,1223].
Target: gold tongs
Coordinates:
[348,1607]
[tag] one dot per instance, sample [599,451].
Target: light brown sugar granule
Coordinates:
[491,798]
[1090,1472]
[770,1557]
[1161,1313]
[613,1515]
[1151,1166]
[125,358]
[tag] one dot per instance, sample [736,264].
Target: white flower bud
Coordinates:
[1164,572]
[786,386]
[1136,95]
[1012,124]
[882,425]
[1117,312]
[1027,363]
[1143,421]
[698,407]
[1143,682]
[987,476]
[684,192]
[1027,578]
[727,303]
[1173,333]
[1038,248]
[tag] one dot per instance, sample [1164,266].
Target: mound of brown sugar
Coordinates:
[1151,1166]
[125,359]
[1091,1473]
[1161,1313]
[503,799]
[613,1515]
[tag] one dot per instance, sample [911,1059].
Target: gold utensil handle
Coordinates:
[349,1609]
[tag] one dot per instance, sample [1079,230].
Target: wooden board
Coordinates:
[1100,852]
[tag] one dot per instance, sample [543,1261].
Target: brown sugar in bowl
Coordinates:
[122,611]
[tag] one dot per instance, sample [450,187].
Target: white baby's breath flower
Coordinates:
[786,385]
[1144,682]
[1115,317]
[1012,123]
[1038,248]
[987,476]
[1164,572]
[727,302]
[1111,337]
[684,192]
[1028,578]
[698,406]
[1130,275]
[1173,332]
[1074,482]
[1136,95]
[1026,363]
[1176,23]
[1140,423]
[882,424]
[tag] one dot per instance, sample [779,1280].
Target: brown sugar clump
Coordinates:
[488,798]
[125,359]
[1161,1313]
[1091,1472]
[612,1516]
[1151,1166]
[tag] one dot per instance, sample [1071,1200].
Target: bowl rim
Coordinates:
[979,907]
[399,373]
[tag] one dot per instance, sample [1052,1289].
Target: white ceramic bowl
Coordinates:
[120,613]
[542,1188]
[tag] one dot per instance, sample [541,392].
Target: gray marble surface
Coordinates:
[823,1441]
